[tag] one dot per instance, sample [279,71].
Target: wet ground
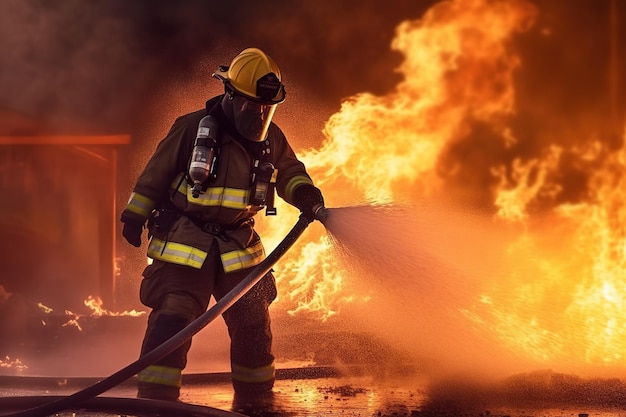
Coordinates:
[312,392]
[298,392]
[323,370]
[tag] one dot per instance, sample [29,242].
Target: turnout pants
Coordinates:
[177,295]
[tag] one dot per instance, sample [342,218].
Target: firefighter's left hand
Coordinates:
[132,233]
[307,198]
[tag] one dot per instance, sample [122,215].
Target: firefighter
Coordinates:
[201,231]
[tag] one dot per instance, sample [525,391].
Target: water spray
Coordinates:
[64,403]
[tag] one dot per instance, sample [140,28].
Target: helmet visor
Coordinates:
[252,119]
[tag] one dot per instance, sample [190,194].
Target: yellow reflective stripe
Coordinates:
[241,373]
[243,258]
[226,197]
[176,253]
[234,198]
[140,204]
[163,375]
[295,182]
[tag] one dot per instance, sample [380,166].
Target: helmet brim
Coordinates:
[222,75]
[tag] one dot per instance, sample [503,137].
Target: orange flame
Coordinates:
[73,322]
[455,71]
[44,308]
[385,149]
[562,298]
[95,304]
[571,304]
[12,363]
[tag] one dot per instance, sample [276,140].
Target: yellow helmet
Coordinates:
[254,75]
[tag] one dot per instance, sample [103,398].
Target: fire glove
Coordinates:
[307,198]
[132,232]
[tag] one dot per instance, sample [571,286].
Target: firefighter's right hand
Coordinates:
[132,233]
[308,199]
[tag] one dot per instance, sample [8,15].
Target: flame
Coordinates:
[12,363]
[386,149]
[44,308]
[95,304]
[73,322]
[455,72]
[562,297]
[574,309]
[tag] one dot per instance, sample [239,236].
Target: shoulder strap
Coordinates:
[263,177]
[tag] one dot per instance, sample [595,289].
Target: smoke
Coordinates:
[93,65]
[557,79]
[57,58]
[560,100]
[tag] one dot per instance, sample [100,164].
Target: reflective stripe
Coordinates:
[216,196]
[163,375]
[263,374]
[294,182]
[176,253]
[140,204]
[243,258]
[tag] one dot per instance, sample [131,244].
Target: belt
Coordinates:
[219,229]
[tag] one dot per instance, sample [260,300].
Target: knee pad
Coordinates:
[179,305]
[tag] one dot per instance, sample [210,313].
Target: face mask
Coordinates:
[252,119]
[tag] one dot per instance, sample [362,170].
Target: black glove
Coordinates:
[308,197]
[132,232]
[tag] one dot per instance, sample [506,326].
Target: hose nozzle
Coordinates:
[320,213]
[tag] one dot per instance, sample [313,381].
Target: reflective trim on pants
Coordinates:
[164,375]
[253,375]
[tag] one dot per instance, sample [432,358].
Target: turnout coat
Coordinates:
[185,227]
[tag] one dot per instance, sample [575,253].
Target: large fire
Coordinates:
[562,296]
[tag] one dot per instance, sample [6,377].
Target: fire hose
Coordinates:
[182,336]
